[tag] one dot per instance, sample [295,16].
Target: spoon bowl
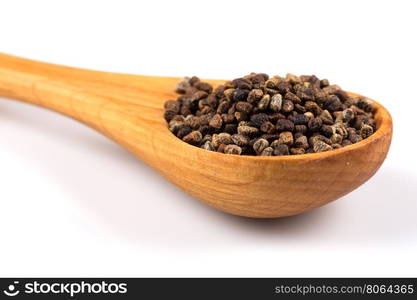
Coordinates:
[129,110]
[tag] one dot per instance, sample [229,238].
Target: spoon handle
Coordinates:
[126,108]
[69,91]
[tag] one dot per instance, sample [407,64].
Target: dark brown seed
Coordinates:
[366,131]
[193,138]
[230,128]
[206,110]
[206,138]
[257,77]
[247,130]
[255,95]
[268,151]
[232,109]
[244,123]
[267,127]
[172,105]
[205,129]
[351,101]
[168,115]
[284,125]
[365,104]
[341,129]
[223,107]
[233,149]
[284,87]
[229,94]
[292,78]
[193,121]
[185,110]
[216,122]
[276,103]
[188,92]
[287,106]
[336,138]
[271,92]
[240,140]
[242,83]
[174,126]
[331,89]
[342,95]
[338,117]
[202,104]
[298,134]
[333,103]
[305,93]
[272,83]
[324,83]
[178,118]
[291,115]
[194,80]
[240,95]
[359,121]
[212,100]
[264,102]
[299,108]
[346,143]
[300,120]
[198,95]
[357,110]
[270,137]
[240,116]
[258,119]
[315,124]
[244,107]
[275,117]
[309,115]
[183,85]
[221,148]
[320,146]
[208,146]
[348,115]
[326,117]
[320,97]
[313,107]
[225,138]
[281,149]
[260,145]
[292,97]
[301,142]
[274,143]
[204,86]
[286,138]
[228,119]
[219,90]
[354,137]
[327,130]
[297,151]
[183,131]
[300,129]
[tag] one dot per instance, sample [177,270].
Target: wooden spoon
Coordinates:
[129,110]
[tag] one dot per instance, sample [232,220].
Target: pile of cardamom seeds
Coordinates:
[259,115]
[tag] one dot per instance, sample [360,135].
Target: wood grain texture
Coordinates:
[129,110]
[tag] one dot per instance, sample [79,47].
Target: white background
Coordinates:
[73,203]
